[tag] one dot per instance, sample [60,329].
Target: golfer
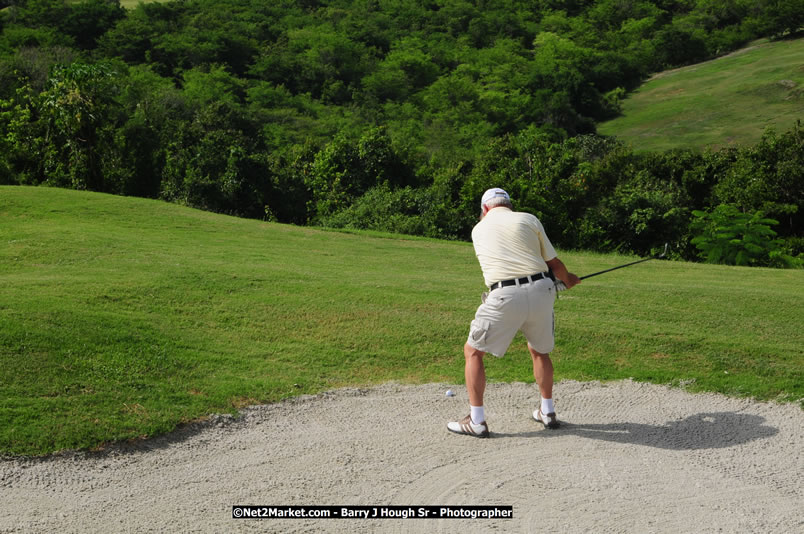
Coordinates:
[514,254]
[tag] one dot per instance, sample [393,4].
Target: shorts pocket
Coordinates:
[478,331]
[497,300]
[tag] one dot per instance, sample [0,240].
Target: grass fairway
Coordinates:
[123,317]
[724,102]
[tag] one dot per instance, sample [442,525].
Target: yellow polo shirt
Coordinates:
[511,244]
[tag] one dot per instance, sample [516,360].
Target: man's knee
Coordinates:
[470,352]
[537,355]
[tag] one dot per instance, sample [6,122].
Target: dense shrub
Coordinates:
[768,177]
[382,209]
[727,235]
[640,214]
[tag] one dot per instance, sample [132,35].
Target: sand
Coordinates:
[630,457]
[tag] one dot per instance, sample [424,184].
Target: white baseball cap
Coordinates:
[494,192]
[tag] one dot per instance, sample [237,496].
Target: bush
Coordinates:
[383,210]
[727,235]
[767,178]
[640,214]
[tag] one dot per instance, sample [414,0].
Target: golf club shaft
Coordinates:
[614,268]
[662,255]
[560,285]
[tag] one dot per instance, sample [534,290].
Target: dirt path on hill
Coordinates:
[630,457]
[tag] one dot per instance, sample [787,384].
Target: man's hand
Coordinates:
[572,280]
[561,286]
[567,279]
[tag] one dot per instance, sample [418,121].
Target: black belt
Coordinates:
[523,280]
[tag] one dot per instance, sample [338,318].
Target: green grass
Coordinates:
[728,101]
[122,317]
[131,4]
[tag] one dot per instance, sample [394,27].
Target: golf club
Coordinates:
[561,287]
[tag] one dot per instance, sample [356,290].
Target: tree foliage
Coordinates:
[385,114]
[727,235]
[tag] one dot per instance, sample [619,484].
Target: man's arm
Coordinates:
[560,271]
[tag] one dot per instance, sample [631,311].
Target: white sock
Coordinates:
[547,406]
[478,414]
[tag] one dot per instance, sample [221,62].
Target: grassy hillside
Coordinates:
[131,4]
[122,317]
[726,101]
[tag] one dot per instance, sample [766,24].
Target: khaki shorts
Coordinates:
[527,308]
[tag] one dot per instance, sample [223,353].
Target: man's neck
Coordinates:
[506,208]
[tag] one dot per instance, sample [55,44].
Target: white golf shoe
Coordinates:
[466,426]
[548,420]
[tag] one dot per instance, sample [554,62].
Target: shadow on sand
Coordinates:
[701,431]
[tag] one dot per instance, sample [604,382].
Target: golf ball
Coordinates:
[450,393]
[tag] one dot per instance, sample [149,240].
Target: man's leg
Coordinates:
[475,373]
[490,331]
[543,373]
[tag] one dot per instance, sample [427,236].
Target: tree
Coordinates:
[406,69]
[79,112]
[39,13]
[344,170]
[642,212]
[782,17]
[213,84]
[767,178]
[677,46]
[88,20]
[132,38]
